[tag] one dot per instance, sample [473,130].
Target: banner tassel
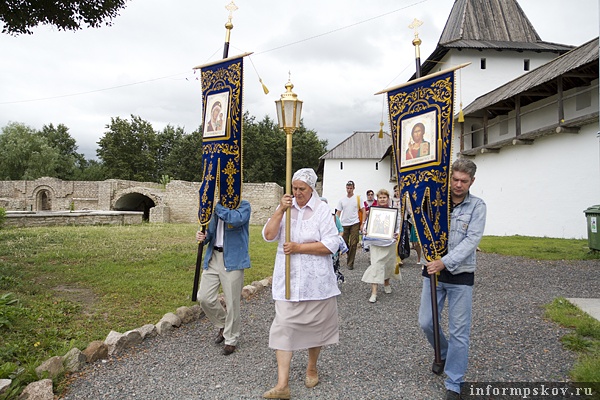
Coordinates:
[461,115]
[263,86]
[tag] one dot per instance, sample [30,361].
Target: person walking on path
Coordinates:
[367,204]
[226,258]
[456,277]
[348,210]
[383,255]
[309,318]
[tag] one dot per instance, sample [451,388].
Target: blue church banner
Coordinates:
[421,120]
[222,84]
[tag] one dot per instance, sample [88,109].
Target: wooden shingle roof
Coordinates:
[577,67]
[365,145]
[488,20]
[488,24]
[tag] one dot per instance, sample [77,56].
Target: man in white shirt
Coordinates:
[348,209]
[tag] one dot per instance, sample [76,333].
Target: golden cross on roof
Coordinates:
[231,7]
[415,25]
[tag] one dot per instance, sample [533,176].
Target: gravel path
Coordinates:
[382,353]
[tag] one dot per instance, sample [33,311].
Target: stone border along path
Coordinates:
[115,344]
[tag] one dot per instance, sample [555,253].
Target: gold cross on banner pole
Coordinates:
[231,7]
[417,42]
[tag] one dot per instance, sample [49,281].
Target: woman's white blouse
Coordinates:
[311,276]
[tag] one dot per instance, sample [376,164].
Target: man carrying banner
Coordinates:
[226,258]
[456,276]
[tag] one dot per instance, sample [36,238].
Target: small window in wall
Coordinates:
[341,165]
[476,136]
[376,166]
[503,124]
[526,64]
[483,63]
[583,99]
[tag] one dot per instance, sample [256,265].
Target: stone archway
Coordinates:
[43,199]
[135,202]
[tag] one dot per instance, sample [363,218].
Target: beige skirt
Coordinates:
[304,324]
[383,265]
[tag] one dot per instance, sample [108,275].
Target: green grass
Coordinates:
[63,287]
[584,339]
[539,248]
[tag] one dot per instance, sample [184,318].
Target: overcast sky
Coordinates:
[339,53]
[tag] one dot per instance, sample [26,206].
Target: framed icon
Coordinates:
[382,222]
[215,115]
[419,139]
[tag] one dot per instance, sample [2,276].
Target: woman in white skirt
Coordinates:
[383,255]
[309,318]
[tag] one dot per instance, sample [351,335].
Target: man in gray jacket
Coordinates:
[456,276]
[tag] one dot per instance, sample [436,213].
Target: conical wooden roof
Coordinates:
[488,24]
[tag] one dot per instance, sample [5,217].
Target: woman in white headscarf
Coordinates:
[309,319]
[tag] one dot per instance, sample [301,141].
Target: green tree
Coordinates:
[91,170]
[25,154]
[307,148]
[265,150]
[128,150]
[184,161]
[69,160]
[20,16]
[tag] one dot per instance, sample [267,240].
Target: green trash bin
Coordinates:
[593,217]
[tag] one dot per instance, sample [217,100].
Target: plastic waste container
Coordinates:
[593,217]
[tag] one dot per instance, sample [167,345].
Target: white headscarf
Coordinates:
[308,176]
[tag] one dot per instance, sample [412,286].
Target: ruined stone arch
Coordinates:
[136,199]
[43,196]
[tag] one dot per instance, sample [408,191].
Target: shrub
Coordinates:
[2,217]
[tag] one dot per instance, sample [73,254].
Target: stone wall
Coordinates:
[175,203]
[22,219]
[182,199]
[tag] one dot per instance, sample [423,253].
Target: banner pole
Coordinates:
[437,367]
[198,268]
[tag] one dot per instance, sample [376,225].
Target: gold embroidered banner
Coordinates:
[421,122]
[222,85]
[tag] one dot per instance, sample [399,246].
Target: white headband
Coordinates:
[306,175]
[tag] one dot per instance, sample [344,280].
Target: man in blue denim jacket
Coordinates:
[226,258]
[456,276]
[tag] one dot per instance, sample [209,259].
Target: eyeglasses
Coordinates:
[350,183]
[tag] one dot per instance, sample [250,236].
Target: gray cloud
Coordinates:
[142,65]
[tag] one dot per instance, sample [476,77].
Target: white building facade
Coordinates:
[357,159]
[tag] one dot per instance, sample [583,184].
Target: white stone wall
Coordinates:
[541,190]
[366,174]
[501,67]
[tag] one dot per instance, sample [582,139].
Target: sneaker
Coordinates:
[373,298]
[387,289]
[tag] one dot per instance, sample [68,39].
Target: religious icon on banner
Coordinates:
[215,115]
[419,133]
